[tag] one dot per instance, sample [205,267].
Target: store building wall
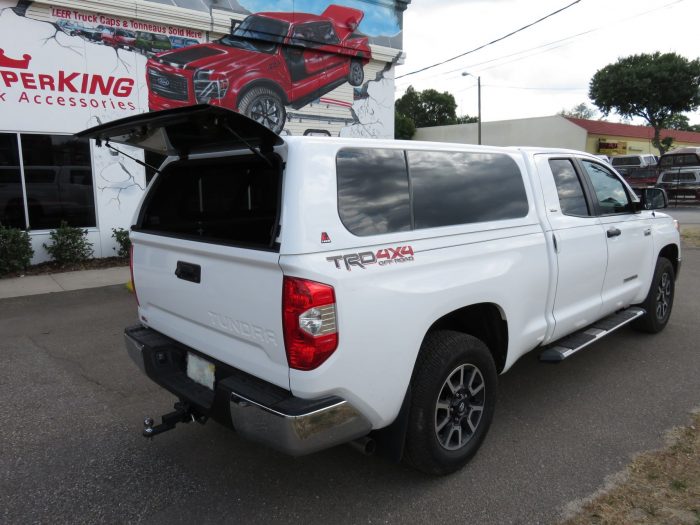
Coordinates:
[621,145]
[555,132]
[69,65]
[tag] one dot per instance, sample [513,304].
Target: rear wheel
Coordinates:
[264,106]
[453,396]
[659,300]
[357,73]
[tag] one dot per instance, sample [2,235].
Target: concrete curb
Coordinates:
[63,282]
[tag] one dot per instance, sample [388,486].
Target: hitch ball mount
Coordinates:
[183,413]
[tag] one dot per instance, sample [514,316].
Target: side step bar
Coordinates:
[571,344]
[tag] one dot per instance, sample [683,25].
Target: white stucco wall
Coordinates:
[554,132]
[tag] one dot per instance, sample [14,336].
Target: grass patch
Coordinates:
[690,235]
[661,487]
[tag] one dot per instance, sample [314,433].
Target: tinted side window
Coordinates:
[373,191]
[571,198]
[610,191]
[460,188]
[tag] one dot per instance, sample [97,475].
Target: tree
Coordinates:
[427,108]
[466,119]
[404,128]
[653,87]
[581,110]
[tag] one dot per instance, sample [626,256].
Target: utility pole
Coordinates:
[478,86]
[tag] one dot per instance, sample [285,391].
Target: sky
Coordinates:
[545,68]
[378,18]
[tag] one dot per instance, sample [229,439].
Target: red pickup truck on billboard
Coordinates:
[269,61]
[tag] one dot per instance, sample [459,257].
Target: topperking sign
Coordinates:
[76,69]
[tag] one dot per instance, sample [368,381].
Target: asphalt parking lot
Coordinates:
[73,403]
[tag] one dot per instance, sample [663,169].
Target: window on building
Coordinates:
[11,200]
[57,175]
[571,198]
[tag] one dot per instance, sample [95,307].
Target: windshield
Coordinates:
[257,33]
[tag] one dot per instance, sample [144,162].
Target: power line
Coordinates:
[492,42]
[561,40]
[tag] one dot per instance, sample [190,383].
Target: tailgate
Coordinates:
[232,314]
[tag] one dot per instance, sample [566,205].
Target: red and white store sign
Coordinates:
[71,89]
[76,70]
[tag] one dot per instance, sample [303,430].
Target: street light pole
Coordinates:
[478,86]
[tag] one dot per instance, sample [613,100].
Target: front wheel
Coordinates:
[264,106]
[659,300]
[453,397]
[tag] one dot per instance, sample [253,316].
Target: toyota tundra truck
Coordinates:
[314,291]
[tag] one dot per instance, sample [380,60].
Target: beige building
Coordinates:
[593,136]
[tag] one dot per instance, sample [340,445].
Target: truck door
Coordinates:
[578,243]
[628,236]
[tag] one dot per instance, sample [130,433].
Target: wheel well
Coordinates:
[486,322]
[262,83]
[670,252]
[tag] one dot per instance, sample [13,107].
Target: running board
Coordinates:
[571,344]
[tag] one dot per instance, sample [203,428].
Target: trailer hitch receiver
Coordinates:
[183,413]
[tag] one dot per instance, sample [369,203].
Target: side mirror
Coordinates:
[654,198]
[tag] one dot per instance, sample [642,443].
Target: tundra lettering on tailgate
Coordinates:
[382,257]
[242,329]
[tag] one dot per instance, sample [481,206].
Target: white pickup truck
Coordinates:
[312,291]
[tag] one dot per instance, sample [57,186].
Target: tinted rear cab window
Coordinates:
[231,200]
[385,191]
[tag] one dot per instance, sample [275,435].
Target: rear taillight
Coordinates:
[308,315]
[131,271]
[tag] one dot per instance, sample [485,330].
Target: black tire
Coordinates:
[659,300]
[264,106]
[356,75]
[448,422]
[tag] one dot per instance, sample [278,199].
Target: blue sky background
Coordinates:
[379,20]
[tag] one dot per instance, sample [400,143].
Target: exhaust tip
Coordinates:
[365,445]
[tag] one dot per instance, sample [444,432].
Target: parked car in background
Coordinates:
[178,42]
[69,27]
[269,61]
[152,42]
[622,163]
[93,34]
[119,38]
[680,173]
[641,178]
[604,158]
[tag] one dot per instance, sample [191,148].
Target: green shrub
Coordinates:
[69,245]
[15,250]
[122,237]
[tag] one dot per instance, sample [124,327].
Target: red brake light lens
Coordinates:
[131,271]
[309,321]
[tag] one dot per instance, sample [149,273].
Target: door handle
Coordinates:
[188,272]
[614,232]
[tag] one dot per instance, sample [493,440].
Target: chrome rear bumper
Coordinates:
[258,410]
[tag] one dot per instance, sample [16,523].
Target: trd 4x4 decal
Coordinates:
[382,257]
